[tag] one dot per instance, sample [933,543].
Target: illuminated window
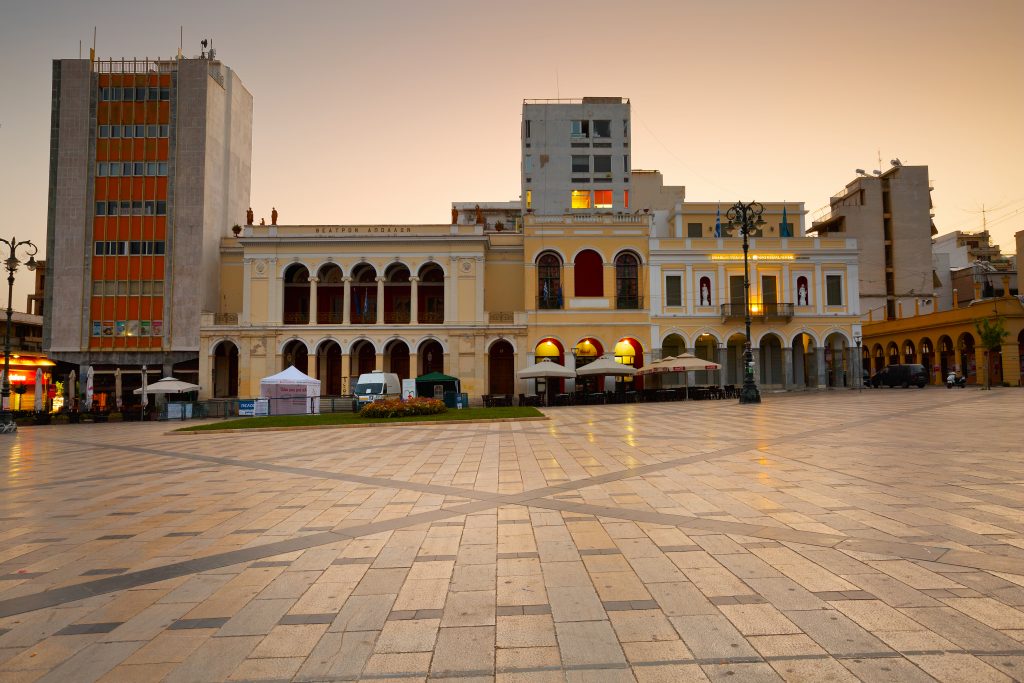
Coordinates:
[529,199]
[581,199]
[626,202]
[579,129]
[580,163]
[602,199]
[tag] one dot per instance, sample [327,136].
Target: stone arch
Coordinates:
[225,354]
[771,362]
[289,340]
[493,340]
[428,264]
[362,354]
[501,377]
[705,345]
[588,273]
[329,366]
[837,359]
[629,250]
[397,353]
[362,338]
[673,343]
[295,352]
[908,350]
[296,284]
[892,353]
[805,361]
[431,338]
[430,353]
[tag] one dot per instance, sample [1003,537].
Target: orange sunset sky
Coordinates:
[385,112]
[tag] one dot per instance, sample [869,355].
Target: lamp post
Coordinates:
[746,217]
[7,425]
[860,362]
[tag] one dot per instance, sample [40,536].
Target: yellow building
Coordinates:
[479,303]
[946,341]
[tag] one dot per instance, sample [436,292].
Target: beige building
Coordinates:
[338,301]
[890,217]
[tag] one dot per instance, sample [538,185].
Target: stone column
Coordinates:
[246,291]
[346,307]
[723,360]
[853,372]
[378,363]
[312,299]
[380,301]
[346,372]
[414,305]
[570,363]
[787,368]
[819,358]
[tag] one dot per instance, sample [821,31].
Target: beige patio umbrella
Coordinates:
[684,362]
[545,369]
[607,365]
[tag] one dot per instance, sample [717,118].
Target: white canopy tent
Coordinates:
[291,392]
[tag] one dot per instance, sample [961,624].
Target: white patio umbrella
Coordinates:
[684,362]
[39,391]
[88,388]
[117,388]
[607,365]
[545,369]
[167,385]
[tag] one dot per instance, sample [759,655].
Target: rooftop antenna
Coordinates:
[181,40]
[92,52]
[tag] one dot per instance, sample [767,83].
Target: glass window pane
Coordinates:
[602,163]
[602,199]
[602,129]
[580,163]
[581,199]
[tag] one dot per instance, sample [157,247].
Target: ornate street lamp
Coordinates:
[11,263]
[747,217]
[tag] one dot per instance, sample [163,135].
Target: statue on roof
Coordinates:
[273,216]
[248,216]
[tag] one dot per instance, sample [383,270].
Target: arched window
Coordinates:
[588,273]
[549,282]
[627,281]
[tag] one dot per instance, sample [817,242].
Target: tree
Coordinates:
[992,334]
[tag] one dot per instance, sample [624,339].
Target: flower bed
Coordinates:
[398,408]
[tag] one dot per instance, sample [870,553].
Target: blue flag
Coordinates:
[785,229]
[718,221]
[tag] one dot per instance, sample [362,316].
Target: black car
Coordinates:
[901,376]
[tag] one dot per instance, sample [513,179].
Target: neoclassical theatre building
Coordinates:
[478,302]
[595,258]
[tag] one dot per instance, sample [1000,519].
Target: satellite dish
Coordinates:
[876,173]
[204,42]
[896,162]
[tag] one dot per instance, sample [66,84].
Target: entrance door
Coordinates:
[501,369]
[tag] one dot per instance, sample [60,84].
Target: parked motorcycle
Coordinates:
[953,381]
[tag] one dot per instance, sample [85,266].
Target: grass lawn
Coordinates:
[277,421]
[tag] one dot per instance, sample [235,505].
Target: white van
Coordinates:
[374,386]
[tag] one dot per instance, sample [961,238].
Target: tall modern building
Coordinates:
[149,168]
[890,216]
[576,155]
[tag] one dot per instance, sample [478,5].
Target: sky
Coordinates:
[388,111]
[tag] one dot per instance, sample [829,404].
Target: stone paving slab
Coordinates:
[872,536]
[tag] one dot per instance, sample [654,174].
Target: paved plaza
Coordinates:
[826,536]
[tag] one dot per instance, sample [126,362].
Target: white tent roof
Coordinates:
[290,376]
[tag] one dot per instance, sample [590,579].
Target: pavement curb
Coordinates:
[298,428]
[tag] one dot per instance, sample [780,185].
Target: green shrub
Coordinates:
[398,408]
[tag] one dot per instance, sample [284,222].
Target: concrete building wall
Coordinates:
[910,200]
[548,175]
[70,208]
